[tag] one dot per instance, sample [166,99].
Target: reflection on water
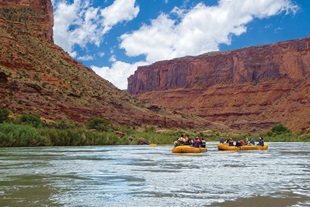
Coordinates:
[153,176]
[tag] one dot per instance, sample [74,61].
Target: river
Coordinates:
[119,176]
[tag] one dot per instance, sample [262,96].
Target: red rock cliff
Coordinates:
[38,20]
[250,89]
[290,59]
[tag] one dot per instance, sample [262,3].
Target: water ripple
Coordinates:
[152,176]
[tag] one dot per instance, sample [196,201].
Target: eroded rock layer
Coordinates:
[250,89]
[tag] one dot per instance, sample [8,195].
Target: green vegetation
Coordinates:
[278,133]
[23,135]
[99,124]
[279,129]
[30,119]
[28,130]
[4,115]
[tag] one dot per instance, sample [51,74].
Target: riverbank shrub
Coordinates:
[287,138]
[280,129]
[99,124]
[4,115]
[30,119]
[15,135]
[12,135]
[30,131]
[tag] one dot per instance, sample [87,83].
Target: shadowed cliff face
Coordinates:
[249,89]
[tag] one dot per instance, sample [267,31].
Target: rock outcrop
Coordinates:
[32,17]
[249,89]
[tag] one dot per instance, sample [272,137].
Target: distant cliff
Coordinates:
[252,88]
[288,59]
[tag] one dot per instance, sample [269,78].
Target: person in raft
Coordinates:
[196,142]
[238,144]
[231,142]
[246,140]
[241,142]
[181,140]
[252,142]
[188,140]
[203,143]
[261,141]
[222,141]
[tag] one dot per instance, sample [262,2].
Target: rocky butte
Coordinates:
[249,89]
[38,77]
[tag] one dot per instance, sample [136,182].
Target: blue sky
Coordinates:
[114,37]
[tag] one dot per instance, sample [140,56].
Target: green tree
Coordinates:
[4,115]
[280,129]
[99,124]
[32,120]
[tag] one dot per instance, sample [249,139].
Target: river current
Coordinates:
[119,176]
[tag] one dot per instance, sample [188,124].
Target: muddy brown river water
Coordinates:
[121,176]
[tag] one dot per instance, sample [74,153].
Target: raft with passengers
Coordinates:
[230,144]
[187,145]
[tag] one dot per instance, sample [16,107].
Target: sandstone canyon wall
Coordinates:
[38,77]
[250,89]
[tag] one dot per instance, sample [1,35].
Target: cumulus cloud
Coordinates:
[201,29]
[79,24]
[118,73]
[120,10]
[75,24]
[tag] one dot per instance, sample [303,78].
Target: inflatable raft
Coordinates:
[188,149]
[244,147]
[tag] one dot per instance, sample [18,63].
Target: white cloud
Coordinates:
[79,24]
[118,73]
[75,24]
[112,58]
[120,10]
[179,33]
[101,54]
[200,30]
[86,57]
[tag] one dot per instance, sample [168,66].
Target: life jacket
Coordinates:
[181,141]
[241,142]
[196,143]
[186,140]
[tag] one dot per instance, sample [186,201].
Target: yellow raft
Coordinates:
[244,147]
[188,149]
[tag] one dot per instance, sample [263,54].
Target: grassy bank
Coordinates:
[275,138]
[31,131]
[13,135]
[17,135]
